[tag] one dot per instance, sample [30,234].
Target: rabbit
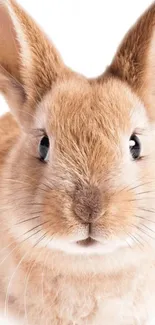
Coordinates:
[77,165]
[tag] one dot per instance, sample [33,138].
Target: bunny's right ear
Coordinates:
[29,63]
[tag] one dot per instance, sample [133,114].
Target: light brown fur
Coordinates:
[47,275]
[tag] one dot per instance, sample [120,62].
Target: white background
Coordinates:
[86,32]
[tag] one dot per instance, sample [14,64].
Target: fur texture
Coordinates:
[77,231]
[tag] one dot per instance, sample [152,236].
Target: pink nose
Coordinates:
[87,203]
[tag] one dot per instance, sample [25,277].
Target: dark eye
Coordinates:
[135,147]
[44,148]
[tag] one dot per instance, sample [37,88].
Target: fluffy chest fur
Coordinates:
[40,296]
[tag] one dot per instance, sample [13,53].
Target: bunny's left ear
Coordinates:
[134,62]
[29,63]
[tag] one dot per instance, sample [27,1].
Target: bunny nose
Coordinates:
[87,203]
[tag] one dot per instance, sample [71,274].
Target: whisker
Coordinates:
[146,192]
[146,210]
[25,183]
[41,224]
[6,247]
[133,237]
[129,188]
[30,219]
[43,236]
[140,199]
[34,204]
[36,212]
[32,235]
[22,235]
[25,233]
[42,183]
[142,238]
[139,185]
[136,239]
[147,228]
[126,239]
[144,232]
[20,222]
[128,243]
[143,218]
[17,245]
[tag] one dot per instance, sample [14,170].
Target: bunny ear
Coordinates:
[134,62]
[29,63]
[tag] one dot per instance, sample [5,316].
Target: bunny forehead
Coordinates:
[112,104]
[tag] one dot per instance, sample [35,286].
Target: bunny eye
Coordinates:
[44,148]
[135,147]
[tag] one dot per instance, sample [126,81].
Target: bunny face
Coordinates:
[80,176]
[80,186]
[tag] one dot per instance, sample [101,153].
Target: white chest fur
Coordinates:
[151,322]
[4,321]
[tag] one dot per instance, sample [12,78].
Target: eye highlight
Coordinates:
[135,147]
[44,148]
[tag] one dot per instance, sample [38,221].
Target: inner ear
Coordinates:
[29,62]
[13,91]
[9,45]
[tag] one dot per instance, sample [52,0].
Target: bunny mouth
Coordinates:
[87,242]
